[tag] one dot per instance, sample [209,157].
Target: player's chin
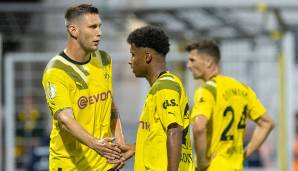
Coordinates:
[196,77]
[93,48]
[137,74]
[133,71]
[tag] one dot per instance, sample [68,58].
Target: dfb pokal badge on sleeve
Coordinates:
[50,90]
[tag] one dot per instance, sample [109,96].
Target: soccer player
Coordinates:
[78,87]
[221,108]
[163,138]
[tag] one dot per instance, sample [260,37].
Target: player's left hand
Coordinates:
[127,150]
[119,165]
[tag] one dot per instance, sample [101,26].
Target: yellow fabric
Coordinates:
[226,103]
[87,90]
[166,103]
[233,163]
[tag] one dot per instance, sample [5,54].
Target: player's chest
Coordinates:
[96,83]
[149,118]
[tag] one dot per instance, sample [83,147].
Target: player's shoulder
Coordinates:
[57,62]
[209,86]
[227,83]
[166,81]
[103,56]
[232,81]
[56,69]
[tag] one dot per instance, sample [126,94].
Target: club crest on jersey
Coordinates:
[107,75]
[201,100]
[50,90]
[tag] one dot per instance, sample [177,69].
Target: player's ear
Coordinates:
[209,61]
[72,30]
[148,56]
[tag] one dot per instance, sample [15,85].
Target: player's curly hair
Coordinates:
[150,37]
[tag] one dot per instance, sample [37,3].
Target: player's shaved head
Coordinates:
[74,13]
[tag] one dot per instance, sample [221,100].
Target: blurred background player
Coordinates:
[221,108]
[165,116]
[78,88]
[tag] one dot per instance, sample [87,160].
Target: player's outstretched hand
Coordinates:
[127,150]
[118,164]
[107,148]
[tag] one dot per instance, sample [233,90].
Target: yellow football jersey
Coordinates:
[166,103]
[86,88]
[227,104]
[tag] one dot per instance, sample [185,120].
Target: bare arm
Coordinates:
[68,123]
[117,132]
[174,139]
[200,141]
[128,150]
[264,127]
[116,126]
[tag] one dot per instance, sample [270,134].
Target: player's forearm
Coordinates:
[116,125]
[174,135]
[118,131]
[69,124]
[260,134]
[200,138]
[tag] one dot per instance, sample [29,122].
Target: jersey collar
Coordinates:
[73,61]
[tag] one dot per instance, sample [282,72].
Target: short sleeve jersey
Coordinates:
[86,88]
[166,103]
[227,103]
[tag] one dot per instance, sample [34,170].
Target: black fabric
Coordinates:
[160,74]
[73,61]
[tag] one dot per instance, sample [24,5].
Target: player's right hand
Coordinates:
[127,150]
[106,148]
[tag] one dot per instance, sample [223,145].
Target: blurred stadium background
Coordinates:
[259,46]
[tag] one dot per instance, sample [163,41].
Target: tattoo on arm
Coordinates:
[114,113]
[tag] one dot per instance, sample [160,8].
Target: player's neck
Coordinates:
[154,73]
[213,73]
[76,53]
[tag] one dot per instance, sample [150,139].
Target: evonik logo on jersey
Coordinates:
[84,101]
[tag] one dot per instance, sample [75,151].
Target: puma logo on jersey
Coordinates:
[171,113]
[201,100]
